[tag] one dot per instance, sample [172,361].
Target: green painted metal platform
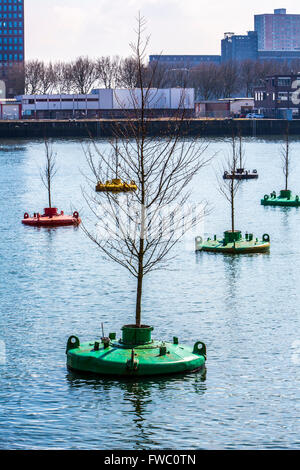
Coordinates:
[136,355]
[285,199]
[234,243]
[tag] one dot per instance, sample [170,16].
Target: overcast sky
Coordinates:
[64,29]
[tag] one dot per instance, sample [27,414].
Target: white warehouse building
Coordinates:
[108,103]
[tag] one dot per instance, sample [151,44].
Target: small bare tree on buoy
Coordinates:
[142,227]
[286,157]
[49,170]
[229,187]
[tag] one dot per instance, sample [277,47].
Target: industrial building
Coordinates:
[10,109]
[227,107]
[279,96]
[239,47]
[108,103]
[12,46]
[276,37]
[184,61]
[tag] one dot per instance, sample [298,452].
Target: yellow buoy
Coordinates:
[116,186]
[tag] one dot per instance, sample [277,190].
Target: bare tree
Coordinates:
[107,70]
[47,79]
[247,77]
[142,227]
[33,75]
[286,157]
[209,80]
[228,76]
[83,75]
[129,73]
[62,75]
[229,187]
[49,170]
[205,79]
[160,79]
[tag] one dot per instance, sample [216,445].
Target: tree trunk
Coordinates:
[287,165]
[232,206]
[139,286]
[287,154]
[49,193]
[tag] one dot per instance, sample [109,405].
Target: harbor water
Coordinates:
[54,283]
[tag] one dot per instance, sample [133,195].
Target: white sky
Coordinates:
[64,29]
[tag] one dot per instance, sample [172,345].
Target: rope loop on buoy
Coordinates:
[200,349]
[73,343]
[266,197]
[198,243]
[76,215]
[266,237]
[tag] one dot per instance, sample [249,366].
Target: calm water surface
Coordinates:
[55,283]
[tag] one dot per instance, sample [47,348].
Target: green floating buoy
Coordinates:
[285,199]
[136,354]
[234,243]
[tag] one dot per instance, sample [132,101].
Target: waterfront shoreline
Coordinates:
[201,127]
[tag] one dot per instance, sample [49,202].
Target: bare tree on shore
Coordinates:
[129,73]
[205,80]
[63,78]
[108,71]
[33,73]
[142,227]
[47,79]
[210,81]
[83,75]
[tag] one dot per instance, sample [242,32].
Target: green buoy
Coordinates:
[234,243]
[136,354]
[285,199]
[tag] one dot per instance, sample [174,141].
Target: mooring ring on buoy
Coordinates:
[200,349]
[76,215]
[73,343]
[26,215]
[266,197]
[266,237]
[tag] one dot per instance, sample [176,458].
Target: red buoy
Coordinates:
[51,218]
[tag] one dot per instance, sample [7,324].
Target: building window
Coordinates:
[284,81]
[283,96]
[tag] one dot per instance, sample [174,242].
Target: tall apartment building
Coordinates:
[12,46]
[278,32]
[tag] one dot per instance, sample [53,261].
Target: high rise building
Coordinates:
[278,32]
[12,46]
[239,47]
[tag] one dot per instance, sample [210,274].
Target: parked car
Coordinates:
[254,116]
